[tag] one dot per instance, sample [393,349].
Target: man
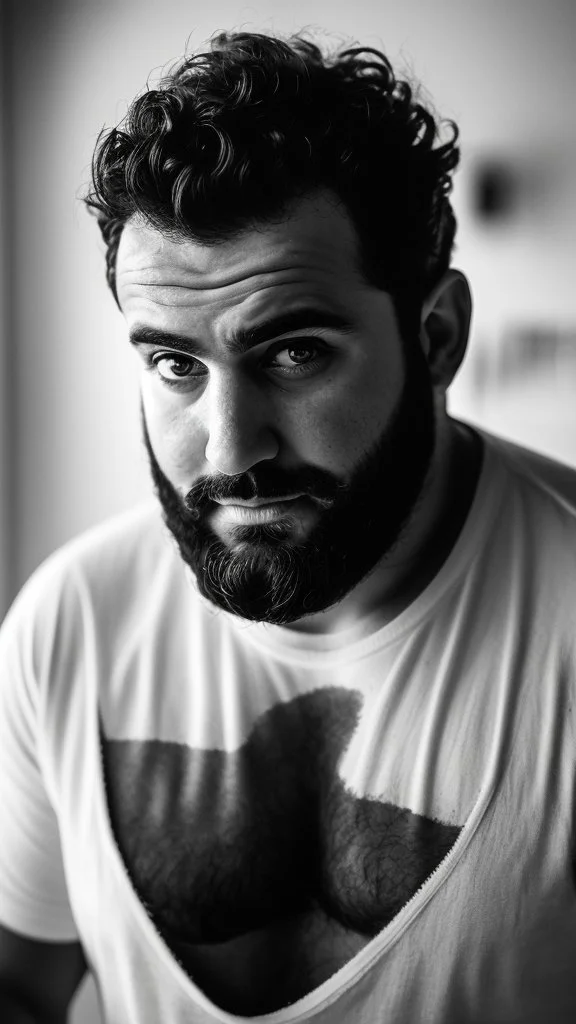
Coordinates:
[308,753]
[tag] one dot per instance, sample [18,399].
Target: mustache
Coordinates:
[264,483]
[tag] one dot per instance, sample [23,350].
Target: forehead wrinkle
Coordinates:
[281,274]
[291,256]
[271,275]
[173,276]
[265,290]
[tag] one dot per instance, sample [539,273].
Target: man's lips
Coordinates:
[257,510]
[257,502]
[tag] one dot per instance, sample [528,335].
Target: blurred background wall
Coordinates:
[6,577]
[70,451]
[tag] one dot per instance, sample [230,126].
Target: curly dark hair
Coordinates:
[231,137]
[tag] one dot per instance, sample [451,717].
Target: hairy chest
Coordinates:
[221,844]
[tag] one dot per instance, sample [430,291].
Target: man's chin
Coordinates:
[262,578]
[257,540]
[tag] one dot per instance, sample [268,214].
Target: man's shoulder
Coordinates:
[102,563]
[119,541]
[544,479]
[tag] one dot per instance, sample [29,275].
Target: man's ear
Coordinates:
[445,325]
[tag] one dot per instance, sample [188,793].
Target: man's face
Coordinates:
[289,426]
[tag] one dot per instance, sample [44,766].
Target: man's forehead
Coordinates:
[149,256]
[317,238]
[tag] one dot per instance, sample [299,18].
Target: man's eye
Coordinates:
[297,357]
[171,368]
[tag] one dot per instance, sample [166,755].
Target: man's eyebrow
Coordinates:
[246,338]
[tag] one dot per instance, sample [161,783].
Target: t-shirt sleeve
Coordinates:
[33,893]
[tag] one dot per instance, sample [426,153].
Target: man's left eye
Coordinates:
[295,356]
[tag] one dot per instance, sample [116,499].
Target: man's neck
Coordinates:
[424,546]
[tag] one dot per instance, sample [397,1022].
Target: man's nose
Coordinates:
[239,426]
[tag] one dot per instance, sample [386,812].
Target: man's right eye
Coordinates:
[171,368]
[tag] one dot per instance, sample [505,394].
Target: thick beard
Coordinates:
[265,575]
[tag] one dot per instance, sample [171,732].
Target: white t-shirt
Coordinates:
[451,727]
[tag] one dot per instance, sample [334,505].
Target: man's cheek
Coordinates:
[177,444]
[338,444]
